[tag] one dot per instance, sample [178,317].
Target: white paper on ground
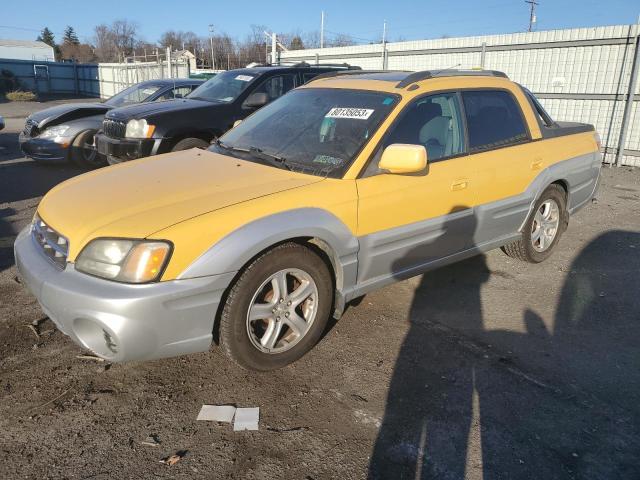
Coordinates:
[217,413]
[246,419]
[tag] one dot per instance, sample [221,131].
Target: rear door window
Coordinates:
[276,86]
[494,120]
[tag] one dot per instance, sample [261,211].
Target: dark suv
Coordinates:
[209,111]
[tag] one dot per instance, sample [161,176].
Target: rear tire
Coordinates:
[83,154]
[188,143]
[277,309]
[546,223]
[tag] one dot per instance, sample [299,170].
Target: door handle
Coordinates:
[459,185]
[536,164]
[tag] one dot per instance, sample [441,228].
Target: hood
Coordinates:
[67,112]
[136,199]
[148,110]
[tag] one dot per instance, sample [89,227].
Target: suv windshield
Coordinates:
[131,95]
[224,87]
[315,130]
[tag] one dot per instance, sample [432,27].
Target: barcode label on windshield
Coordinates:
[244,78]
[347,112]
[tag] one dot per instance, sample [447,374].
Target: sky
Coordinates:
[362,19]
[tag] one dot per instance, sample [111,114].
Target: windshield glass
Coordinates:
[314,130]
[131,95]
[224,87]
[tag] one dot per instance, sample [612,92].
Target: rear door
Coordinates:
[406,222]
[504,159]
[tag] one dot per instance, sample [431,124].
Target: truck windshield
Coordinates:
[131,95]
[313,130]
[224,87]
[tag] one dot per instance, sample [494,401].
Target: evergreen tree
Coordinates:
[46,36]
[296,43]
[70,36]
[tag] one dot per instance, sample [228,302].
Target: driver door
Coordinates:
[406,222]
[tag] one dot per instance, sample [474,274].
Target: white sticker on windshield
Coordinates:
[348,112]
[244,78]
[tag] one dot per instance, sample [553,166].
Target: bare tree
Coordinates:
[79,52]
[341,40]
[104,46]
[124,36]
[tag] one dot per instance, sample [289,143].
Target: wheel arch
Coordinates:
[174,139]
[318,229]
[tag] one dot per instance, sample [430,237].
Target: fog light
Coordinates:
[95,337]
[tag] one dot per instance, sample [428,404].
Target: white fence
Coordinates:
[580,74]
[97,80]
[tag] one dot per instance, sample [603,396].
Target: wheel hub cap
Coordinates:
[545,225]
[282,310]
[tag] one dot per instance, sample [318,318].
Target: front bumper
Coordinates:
[122,322]
[41,149]
[123,149]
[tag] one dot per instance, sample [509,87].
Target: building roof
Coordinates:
[5,42]
[180,53]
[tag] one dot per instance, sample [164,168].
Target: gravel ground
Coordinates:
[486,369]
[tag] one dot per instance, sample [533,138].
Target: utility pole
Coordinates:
[532,14]
[213,61]
[322,29]
[384,45]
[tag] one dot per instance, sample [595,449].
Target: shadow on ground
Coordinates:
[451,415]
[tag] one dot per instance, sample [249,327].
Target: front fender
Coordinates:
[235,250]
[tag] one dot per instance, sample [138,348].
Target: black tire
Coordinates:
[83,155]
[523,248]
[187,143]
[234,336]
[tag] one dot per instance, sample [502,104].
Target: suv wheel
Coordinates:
[188,143]
[277,309]
[545,225]
[83,153]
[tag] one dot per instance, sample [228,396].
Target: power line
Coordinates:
[25,29]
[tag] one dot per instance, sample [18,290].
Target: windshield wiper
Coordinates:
[256,152]
[270,157]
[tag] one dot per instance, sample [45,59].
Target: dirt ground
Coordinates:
[490,368]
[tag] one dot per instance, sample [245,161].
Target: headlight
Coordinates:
[54,132]
[139,129]
[129,261]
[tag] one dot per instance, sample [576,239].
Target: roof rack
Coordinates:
[345,72]
[427,74]
[303,64]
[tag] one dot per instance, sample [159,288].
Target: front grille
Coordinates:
[54,245]
[31,128]
[114,128]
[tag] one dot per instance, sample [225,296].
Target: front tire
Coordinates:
[544,227]
[277,309]
[83,154]
[188,143]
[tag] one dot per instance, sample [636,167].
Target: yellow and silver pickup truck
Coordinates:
[349,183]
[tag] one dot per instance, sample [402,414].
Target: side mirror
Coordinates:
[401,158]
[256,100]
[236,123]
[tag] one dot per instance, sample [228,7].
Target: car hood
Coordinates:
[147,110]
[136,199]
[70,111]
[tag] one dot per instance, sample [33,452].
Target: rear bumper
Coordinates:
[41,149]
[122,322]
[123,149]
